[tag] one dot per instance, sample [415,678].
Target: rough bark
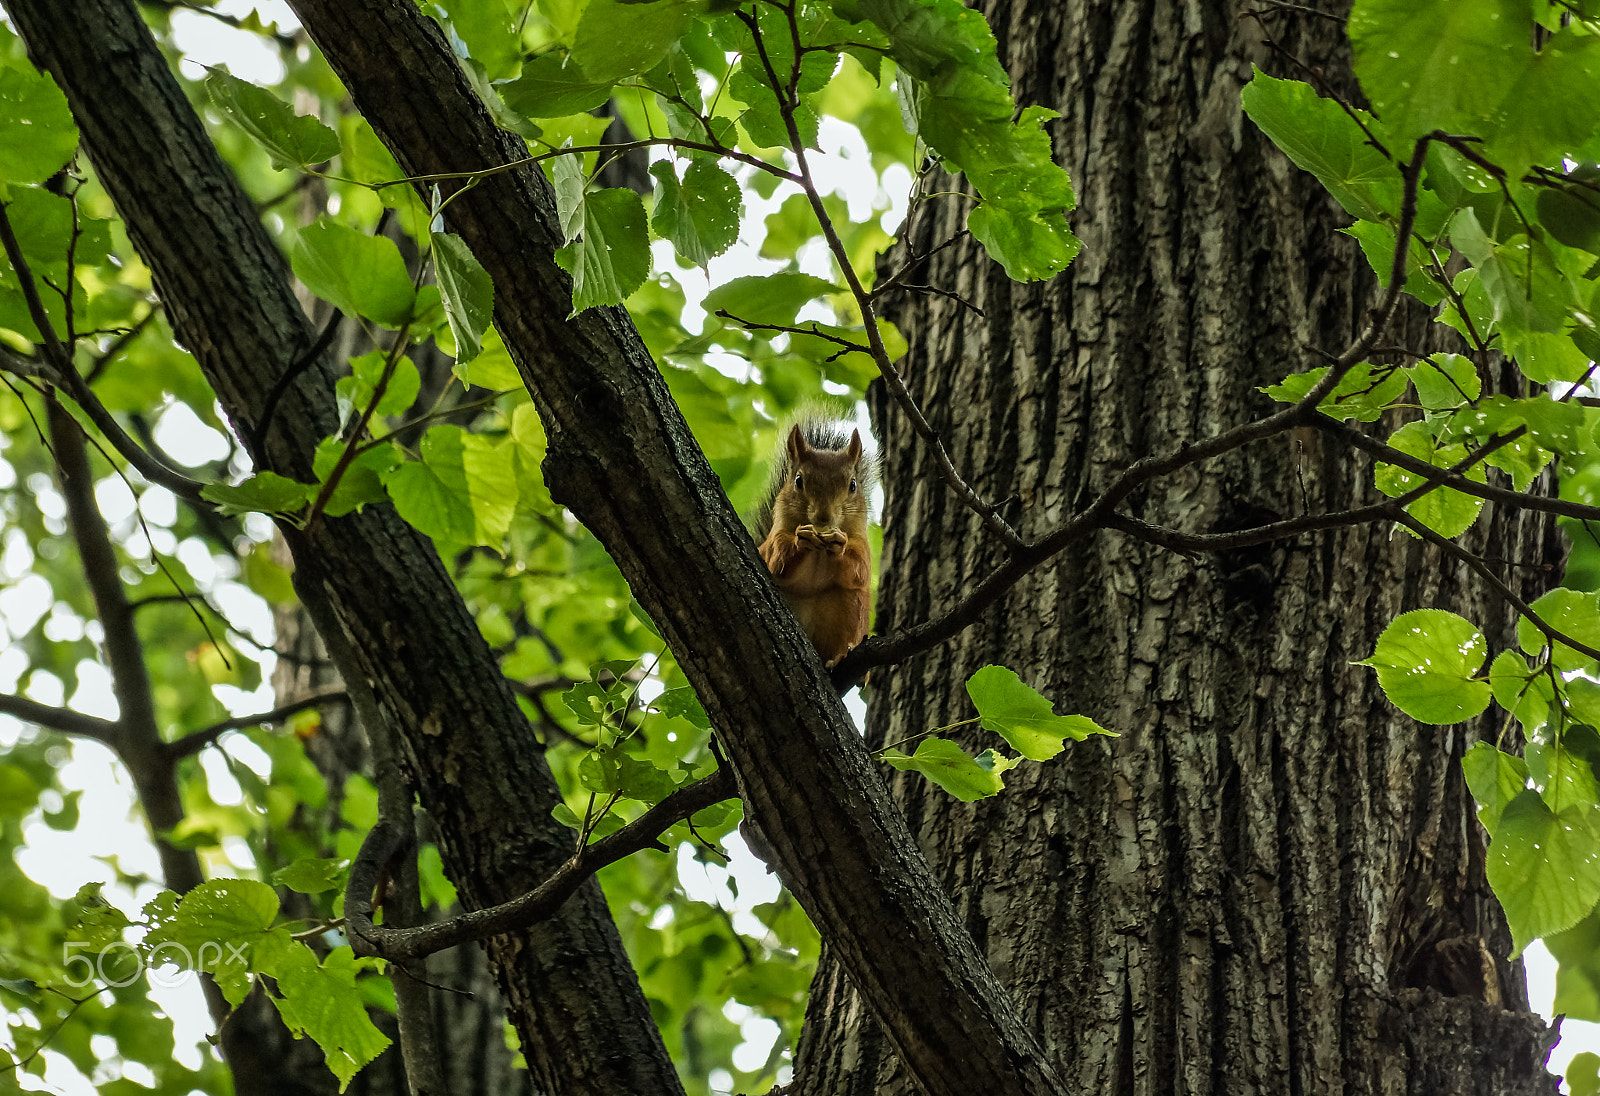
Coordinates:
[622,459]
[584,1024]
[1272,881]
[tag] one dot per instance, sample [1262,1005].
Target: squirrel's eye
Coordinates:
[852,487]
[798,484]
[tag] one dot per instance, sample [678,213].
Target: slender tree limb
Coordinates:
[1485,572]
[59,358]
[195,741]
[64,720]
[385,840]
[1453,479]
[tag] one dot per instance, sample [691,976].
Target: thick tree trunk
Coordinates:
[1272,882]
[585,1026]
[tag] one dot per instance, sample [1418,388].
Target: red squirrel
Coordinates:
[815,521]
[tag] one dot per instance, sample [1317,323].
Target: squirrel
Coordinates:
[814,523]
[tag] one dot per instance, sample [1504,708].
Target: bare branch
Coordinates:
[64,720]
[385,840]
[196,741]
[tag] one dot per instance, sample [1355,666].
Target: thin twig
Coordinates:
[196,741]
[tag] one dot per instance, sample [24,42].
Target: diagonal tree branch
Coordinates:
[195,741]
[64,720]
[384,841]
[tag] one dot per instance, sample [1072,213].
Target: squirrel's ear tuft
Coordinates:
[853,450]
[797,443]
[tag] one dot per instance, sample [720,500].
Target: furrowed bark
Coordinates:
[1272,882]
[622,459]
[574,998]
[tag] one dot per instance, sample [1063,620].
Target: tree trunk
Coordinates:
[584,1024]
[1272,881]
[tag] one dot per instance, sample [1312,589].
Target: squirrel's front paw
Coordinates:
[808,536]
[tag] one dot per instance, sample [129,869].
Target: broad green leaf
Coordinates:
[464,490]
[264,492]
[1032,244]
[700,215]
[953,769]
[617,39]
[1562,777]
[1445,510]
[488,30]
[1577,950]
[1520,690]
[1530,291]
[1363,393]
[1438,64]
[553,86]
[37,133]
[290,139]
[362,480]
[1427,661]
[1446,380]
[466,290]
[492,368]
[359,274]
[1020,715]
[312,875]
[1544,867]
[356,391]
[683,703]
[773,299]
[1571,612]
[1583,1071]
[1495,779]
[214,928]
[1318,135]
[612,255]
[321,1000]
[1571,211]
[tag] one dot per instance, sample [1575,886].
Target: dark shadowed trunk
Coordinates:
[1272,882]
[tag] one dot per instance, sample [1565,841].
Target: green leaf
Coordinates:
[290,139]
[37,133]
[1495,779]
[1438,64]
[1583,1072]
[701,215]
[356,391]
[1520,690]
[1024,718]
[1318,135]
[362,481]
[1544,867]
[264,492]
[953,769]
[1524,280]
[1571,612]
[1562,777]
[612,256]
[310,875]
[1577,950]
[684,704]
[321,1000]
[359,274]
[773,298]
[214,928]
[1364,393]
[1032,244]
[1445,510]
[488,29]
[553,86]
[1446,380]
[463,491]
[616,39]
[466,290]
[1426,661]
